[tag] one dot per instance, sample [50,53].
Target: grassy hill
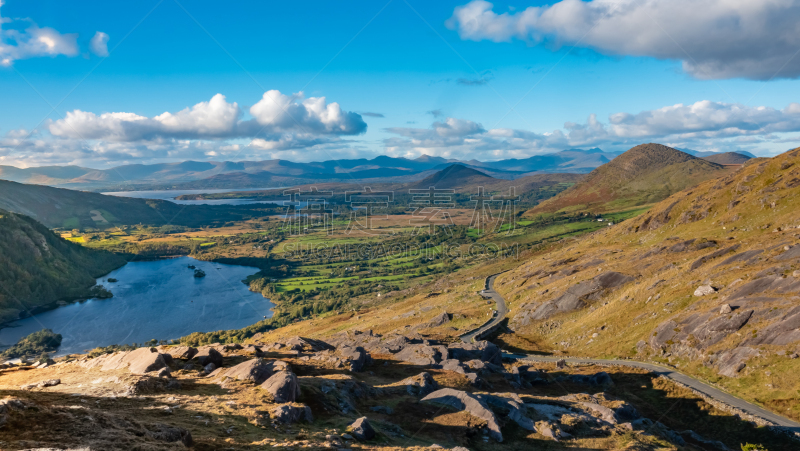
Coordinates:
[736,235]
[645,174]
[64,208]
[38,268]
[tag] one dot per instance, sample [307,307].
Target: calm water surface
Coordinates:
[170,195]
[156,299]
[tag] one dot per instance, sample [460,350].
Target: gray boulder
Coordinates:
[289,413]
[361,429]
[254,370]
[422,354]
[470,403]
[207,354]
[420,385]
[283,386]
[356,356]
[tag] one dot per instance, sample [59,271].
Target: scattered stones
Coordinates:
[43,384]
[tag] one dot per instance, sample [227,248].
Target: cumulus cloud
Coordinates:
[714,39]
[280,112]
[99,44]
[213,119]
[704,124]
[289,125]
[275,118]
[32,41]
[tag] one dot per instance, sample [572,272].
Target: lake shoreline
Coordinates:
[151,292]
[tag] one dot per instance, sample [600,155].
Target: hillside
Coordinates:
[643,175]
[38,268]
[64,208]
[727,158]
[706,281]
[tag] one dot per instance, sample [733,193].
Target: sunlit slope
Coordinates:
[643,175]
[631,289]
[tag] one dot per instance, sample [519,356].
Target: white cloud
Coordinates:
[33,41]
[277,119]
[705,125]
[714,39]
[99,44]
[280,112]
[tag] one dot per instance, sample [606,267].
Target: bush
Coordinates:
[34,345]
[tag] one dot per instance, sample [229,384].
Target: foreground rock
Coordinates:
[283,387]
[255,370]
[471,404]
[291,413]
[361,429]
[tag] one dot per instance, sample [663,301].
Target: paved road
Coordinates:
[489,292]
[689,381]
[671,373]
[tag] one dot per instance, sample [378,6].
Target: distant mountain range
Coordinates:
[278,173]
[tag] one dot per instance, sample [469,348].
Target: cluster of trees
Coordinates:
[34,345]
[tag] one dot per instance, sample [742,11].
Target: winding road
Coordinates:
[701,387]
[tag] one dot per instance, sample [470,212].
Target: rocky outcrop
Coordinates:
[439,320]
[422,354]
[482,350]
[355,357]
[420,385]
[470,403]
[179,352]
[255,370]
[139,361]
[283,386]
[574,298]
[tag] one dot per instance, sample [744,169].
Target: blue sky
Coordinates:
[457,79]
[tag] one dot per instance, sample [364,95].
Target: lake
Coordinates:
[154,299]
[170,195]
